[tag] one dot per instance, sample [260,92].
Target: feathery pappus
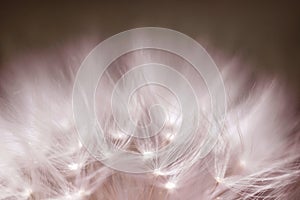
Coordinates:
[256,155]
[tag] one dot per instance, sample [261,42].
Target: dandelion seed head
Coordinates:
[33,150]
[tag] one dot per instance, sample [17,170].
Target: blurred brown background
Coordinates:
[264,34]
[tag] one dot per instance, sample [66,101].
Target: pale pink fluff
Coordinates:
[256,157]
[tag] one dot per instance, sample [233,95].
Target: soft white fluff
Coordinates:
[256,157]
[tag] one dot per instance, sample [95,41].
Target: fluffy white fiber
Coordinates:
[256,156]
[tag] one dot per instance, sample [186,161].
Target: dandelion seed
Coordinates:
[27,193]
[219,180]
[170,185]
[79,144]
[119,135]
[158,172]
[148,154]
[169,136]
[242,163]
[74,166]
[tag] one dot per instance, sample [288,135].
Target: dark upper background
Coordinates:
[267,35]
